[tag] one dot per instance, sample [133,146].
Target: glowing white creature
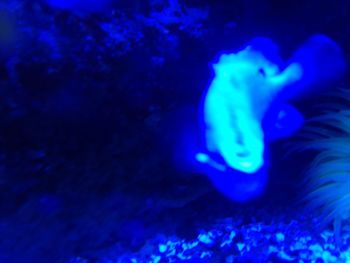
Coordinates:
[244,86]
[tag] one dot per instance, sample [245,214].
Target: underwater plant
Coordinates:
[327,179]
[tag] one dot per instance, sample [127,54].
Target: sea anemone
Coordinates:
[327,179]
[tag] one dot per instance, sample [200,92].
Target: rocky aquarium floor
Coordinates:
[251,234]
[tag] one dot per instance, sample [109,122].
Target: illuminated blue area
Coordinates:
[246,106]
[80,6]
[236,185]
[281,121]
[322,61]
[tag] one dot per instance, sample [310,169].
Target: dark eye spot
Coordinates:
[262,72]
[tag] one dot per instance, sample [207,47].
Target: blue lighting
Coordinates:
[80,6]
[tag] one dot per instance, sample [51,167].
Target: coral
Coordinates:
[169,13]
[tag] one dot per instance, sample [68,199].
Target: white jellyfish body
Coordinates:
[247,106]
[244,86]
